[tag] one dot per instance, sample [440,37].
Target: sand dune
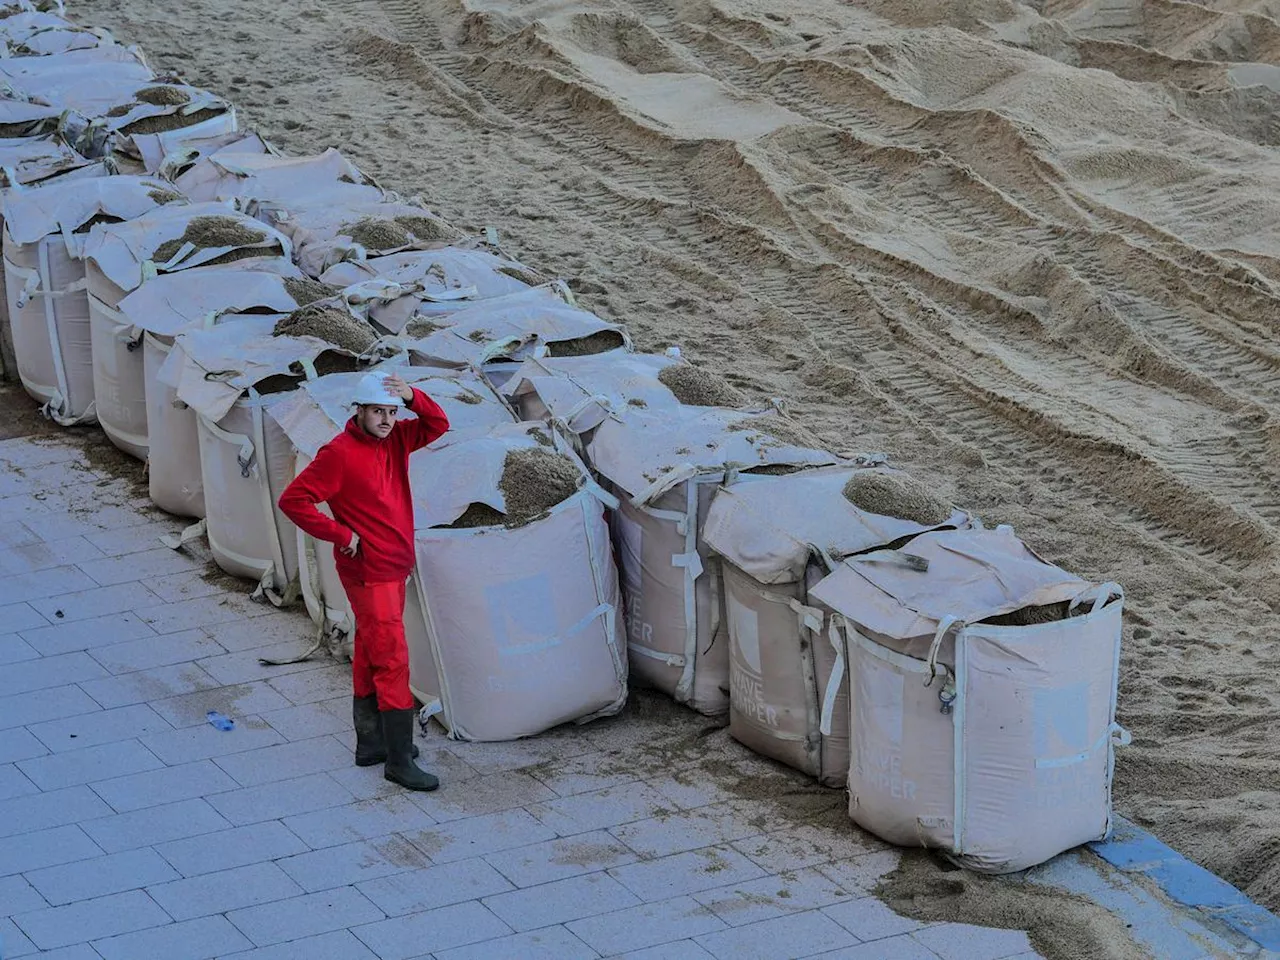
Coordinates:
[1029,249]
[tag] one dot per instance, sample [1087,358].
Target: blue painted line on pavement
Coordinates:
[1134,850]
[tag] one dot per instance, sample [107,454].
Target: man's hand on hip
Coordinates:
[351,548]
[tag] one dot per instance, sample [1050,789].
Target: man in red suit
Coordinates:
[363,475]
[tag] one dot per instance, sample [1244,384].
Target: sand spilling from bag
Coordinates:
[896,495]
[329,323]
[162,96]
[304,290]
[1061,925]
[206,232]
[777,430]
[698,387]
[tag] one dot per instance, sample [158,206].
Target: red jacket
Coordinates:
[365,482]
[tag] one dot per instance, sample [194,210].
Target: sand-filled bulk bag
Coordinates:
[405,286]
[161,309]
[512,617]
[777,537]
[31,161]
[171,153]
[87,83]
[578,393]
[118,258]
[44,234]
[982,697]
[277,183]
[35,34]
[229,375]
[344,224]
[665,466]
[168,108]
[317,412]
[499,332]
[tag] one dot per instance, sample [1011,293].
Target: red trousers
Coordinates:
[381,661]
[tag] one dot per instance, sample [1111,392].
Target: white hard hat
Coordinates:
[371,390]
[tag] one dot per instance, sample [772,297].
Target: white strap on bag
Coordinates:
[836,635]
[193,532]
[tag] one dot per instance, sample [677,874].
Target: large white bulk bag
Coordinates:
[777,537]
[420,283]
[342,224]
[532,323]
[578,393]
[167,109]
[161,309]
[118,257]
[34,34]
[88,82]
[45,280]
[170,153]
[511,630]
[31,161]
[992,743]
[276,182]
[665,467]
[317,412]
[229,375]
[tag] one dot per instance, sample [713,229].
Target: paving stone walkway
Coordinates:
[132,829]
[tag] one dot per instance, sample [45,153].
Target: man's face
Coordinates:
[376,420]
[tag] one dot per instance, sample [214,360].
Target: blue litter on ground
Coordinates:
[221,721]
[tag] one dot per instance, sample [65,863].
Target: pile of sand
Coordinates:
[699,388]
[305,290]
[601,342]
[896,495]
[329,323]
[427,228]
[376,235]
[1031,616]
[214,231]
[169,121]
[534,481]
[162,96]
[479,515]
[162,197]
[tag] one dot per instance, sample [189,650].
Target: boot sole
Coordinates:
[412,785]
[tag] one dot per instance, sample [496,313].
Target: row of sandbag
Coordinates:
[109,271]
[857,627]
[747,589]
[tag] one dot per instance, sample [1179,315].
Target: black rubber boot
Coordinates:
[397,730]
[371,748]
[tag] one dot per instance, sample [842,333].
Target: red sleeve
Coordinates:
[431,425]
[321,479]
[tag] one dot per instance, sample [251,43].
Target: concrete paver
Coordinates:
[130,828]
